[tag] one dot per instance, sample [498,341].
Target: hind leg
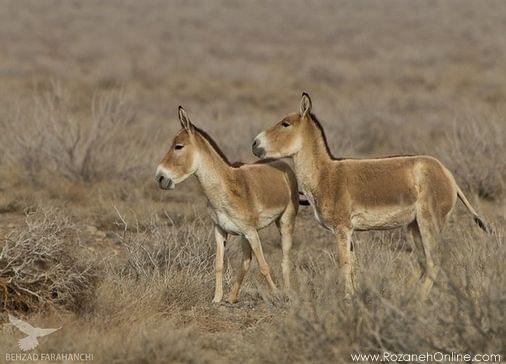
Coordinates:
[415,241]
[345,259]
[429,232]
[286,224]
[256,246]
[243,269]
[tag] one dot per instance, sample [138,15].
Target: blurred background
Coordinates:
[386,77]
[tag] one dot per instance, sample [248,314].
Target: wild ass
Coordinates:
[242,198]
[365,194]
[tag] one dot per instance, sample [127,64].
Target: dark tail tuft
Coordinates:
[483,225]
[302,200]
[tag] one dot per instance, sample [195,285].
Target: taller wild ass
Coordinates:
[242,198]
[366,194]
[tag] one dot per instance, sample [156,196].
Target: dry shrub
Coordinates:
[40,266]
[54,136]
[139,306]
[475,149]
[165,248]
[166,266]
[464,314]
[154,339]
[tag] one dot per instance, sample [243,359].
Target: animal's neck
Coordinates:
[311,160]
[213,173]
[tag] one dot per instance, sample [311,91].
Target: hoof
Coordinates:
[232,300]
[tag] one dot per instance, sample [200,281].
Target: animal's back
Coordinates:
[384,192]
[273,182]
[395,180]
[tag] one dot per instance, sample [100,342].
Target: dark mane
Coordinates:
[316,122]
[211,141]
[215,146]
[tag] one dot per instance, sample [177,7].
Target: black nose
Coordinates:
[255,143]
[159,179]
[258,151]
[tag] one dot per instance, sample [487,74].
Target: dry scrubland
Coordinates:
[88,100]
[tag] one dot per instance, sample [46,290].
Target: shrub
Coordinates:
[475,150]
[40,266]
[52,135]
[464,313]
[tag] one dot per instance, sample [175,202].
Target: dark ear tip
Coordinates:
[180,108]
[305,94]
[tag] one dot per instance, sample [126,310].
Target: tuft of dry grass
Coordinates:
[53,136]
[475,149]
[41,267]
[464,313]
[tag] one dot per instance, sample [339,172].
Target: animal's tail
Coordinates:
[477,219]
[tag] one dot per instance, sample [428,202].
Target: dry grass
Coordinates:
[87,107]
[41,266]
[49,137]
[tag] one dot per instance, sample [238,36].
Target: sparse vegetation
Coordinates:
[52,138]
[89,242]
[41,266]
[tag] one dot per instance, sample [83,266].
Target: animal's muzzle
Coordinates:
[257,149]
[164,182]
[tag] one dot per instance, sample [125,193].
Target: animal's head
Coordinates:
[284,139]
[182,159]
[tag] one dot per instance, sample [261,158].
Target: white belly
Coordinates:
[234,224]
[382,218]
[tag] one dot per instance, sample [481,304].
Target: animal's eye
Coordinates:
[285,124]
[179,146]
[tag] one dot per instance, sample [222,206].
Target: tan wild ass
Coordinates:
[365,194]
[242,198]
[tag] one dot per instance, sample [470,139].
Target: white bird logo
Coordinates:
[29,342]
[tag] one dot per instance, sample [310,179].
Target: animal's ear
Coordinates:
[184,119]
[305,104]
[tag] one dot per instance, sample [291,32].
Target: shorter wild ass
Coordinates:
[366,194]
[243,198]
